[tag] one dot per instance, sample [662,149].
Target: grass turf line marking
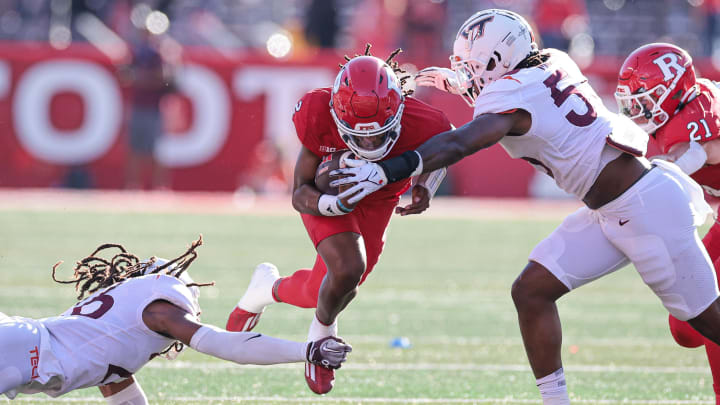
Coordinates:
[390,400]
[222,365]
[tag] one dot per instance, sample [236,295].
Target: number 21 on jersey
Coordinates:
[693,127]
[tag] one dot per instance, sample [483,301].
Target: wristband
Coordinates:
[433,181]
[693,159]
[328,206]
[401,167]
[342,207]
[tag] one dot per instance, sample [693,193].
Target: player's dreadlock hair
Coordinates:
[394,65]
[94,272]
[534,58]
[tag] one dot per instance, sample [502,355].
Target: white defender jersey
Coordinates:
[570,125]
[103,339]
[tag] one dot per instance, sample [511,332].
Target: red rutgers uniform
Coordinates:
[318,132]
[658,89]
[698,121]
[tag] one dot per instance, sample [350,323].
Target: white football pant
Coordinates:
[652,225]
[19,352]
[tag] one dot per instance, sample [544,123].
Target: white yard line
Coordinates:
[223,365]
[371,400]
[642,341]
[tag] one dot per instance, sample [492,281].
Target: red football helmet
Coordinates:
[655,81]
[367,105]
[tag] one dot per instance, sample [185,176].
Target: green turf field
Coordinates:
[442,283]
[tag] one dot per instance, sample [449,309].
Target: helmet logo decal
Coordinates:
[523,30]
[667,61]
[476,29]
[367,126]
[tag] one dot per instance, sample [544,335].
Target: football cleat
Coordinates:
[320,379]
[257,296]
[242,321]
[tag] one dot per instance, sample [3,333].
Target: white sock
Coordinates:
[131,395]
[319,331]
[553,388]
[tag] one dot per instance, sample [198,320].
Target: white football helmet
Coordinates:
[488,45]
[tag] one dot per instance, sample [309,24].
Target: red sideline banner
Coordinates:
[65,110]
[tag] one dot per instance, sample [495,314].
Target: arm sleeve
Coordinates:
[247,347]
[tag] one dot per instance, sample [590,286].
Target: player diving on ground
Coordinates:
[131,311]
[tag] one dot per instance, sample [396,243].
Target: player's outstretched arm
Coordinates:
[126,392]
[240,347]
[450,147]
[441,150]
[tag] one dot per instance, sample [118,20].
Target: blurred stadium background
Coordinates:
[185,95]
[148,122]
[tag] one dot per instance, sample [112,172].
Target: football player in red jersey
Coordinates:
[367,112]
[657,88]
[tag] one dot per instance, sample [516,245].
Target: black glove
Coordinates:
[329,352]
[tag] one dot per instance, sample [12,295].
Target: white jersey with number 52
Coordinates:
[103,338]
[570,126]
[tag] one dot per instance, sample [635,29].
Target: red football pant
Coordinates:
[369,220]
[685,335]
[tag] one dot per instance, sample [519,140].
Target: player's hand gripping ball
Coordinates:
[335,160]
[329,163]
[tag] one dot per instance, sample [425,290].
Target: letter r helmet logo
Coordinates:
[667,63]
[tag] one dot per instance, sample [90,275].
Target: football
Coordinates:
[329,163]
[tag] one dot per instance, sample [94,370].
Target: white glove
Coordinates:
[367,176]
[441,78]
